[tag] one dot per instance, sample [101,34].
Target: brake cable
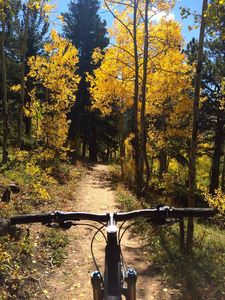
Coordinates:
[69,224]
[92,242]
[124,264]
[121,226]
[99,229]
[120,238]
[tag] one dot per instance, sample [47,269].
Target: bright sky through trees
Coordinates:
[62,6]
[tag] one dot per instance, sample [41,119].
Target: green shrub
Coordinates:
[127,200]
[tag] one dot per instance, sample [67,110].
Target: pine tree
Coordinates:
[211,113]
[83,26]
[38,26]
[33,27]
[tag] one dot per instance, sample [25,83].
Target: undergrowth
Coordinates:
[198,277]
[15,258]
[55,241]
[24,256]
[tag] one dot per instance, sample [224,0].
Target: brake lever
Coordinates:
[161,219]
[157,221]
[62,225]
[162,215]
[172,222]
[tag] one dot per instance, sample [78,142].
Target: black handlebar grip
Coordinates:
[193,212]
[167,212]
[32,218]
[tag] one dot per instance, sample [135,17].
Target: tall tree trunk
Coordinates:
[23,58]
[218,151]
[147,165]
[195,121]
[107,154]
[162,162]
[28,125]
[182,235]
[121,122]
[4,94]
[135,106]
[223,172]
[151,164]
[84,147]
[84,143]
[92,141]
[143,154]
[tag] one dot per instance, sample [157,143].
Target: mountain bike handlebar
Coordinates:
[154,213]
[117,279]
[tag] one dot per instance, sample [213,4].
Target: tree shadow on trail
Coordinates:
[150,283]
[102,178]
[138,254]
[103,182]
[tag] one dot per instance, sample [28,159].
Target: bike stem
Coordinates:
[112,230]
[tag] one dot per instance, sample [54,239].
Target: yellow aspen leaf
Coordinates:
[55,72]
[16,88]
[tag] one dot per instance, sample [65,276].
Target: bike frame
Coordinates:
[111,288]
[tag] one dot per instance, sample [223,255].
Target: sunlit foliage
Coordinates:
[54,92]
[168,79]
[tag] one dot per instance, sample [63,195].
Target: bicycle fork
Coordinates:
[131,279]
[129,292]
[97,285]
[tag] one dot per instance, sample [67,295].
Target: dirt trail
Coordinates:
[71,281]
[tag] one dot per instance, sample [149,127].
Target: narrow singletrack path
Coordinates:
[71,281]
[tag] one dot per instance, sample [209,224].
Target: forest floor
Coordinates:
[71,281]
